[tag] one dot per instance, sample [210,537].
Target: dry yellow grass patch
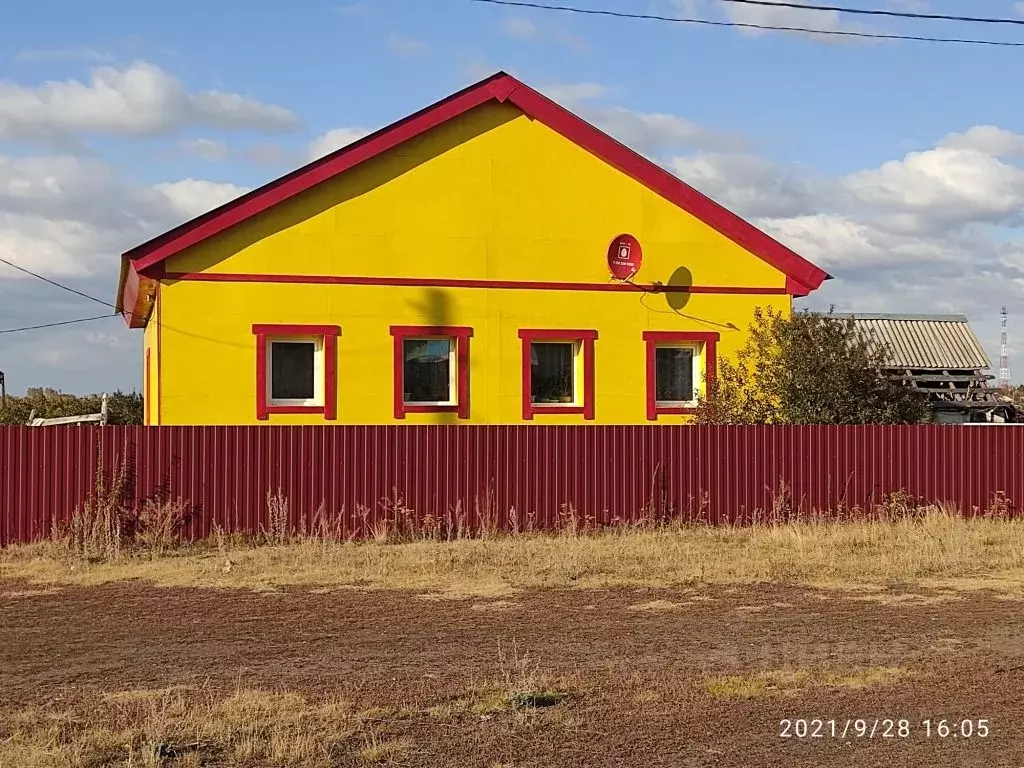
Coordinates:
[786,682]
[905,598]
[17,593]
[644,698]
[481,702]
[385,750]
[137,696]
[192,727]
[657,606]
[482,588]
[962,554]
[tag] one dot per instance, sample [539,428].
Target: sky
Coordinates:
[894,165]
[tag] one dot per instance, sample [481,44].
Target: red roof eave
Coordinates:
[802,275]
[134,295]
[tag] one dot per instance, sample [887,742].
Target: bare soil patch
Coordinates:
[127,673]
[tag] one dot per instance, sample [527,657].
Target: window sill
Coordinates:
[294,409]
[555,408]
[680,410]
[424,408]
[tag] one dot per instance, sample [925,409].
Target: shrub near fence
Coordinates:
[362,481]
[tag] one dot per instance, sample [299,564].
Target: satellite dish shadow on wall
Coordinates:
[435,308]
[677,299]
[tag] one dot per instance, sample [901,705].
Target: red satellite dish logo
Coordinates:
[624,257]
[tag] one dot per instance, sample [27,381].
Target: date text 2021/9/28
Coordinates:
[884,728]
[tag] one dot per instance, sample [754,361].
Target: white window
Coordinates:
[676,369]
[296,371]
[553,374]
[428,371]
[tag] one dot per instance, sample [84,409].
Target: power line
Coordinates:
[880,12]
[55,283]
[54,325]
[743,25]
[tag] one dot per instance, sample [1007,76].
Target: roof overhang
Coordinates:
[145,261]
[135,295]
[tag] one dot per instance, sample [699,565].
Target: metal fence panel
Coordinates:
[604,473]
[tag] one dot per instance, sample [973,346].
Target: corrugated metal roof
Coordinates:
[938,342]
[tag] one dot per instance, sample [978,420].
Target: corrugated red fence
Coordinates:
[604,473]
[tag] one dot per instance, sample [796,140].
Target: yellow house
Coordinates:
[491,259]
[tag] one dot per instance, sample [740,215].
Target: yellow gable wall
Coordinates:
[492,195]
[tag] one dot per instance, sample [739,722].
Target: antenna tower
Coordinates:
[1004,355]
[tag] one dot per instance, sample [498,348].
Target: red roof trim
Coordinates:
[500,87]
[451,282]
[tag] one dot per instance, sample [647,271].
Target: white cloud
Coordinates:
[805,18]
[990,139]
[211,150]
[777,16]
[140,99]
[520,28]
[405,46]
[653,133]
[750,184]
[942,188]
[939,230]
[70,218]
[57,247]
[191,197]
[336,138]
[1019,8]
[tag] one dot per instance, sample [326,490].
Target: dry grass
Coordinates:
[197,725]
[937,548]
[657,606]
[146,728]
[105,527]
[787,682]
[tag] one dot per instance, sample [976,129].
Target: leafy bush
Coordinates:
[122,407]
[808,368]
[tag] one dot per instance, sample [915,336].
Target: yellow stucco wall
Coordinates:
[150,372]
[492,195]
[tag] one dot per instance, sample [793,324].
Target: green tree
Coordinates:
[122,407]
[808,368]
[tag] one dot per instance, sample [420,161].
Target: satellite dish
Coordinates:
[624,256]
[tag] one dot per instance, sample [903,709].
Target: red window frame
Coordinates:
[653,338]
[462,335]
[330,334]
[586,340]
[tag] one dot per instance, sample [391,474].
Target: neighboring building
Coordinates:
[476,262]
[939,356]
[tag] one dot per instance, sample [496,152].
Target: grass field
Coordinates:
[936,548]
[675,646]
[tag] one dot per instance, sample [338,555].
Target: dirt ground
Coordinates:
[698,677]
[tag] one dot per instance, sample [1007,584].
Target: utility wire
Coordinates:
[880,12]
[742,25]
[62,287]
[54,283]
[53,325]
